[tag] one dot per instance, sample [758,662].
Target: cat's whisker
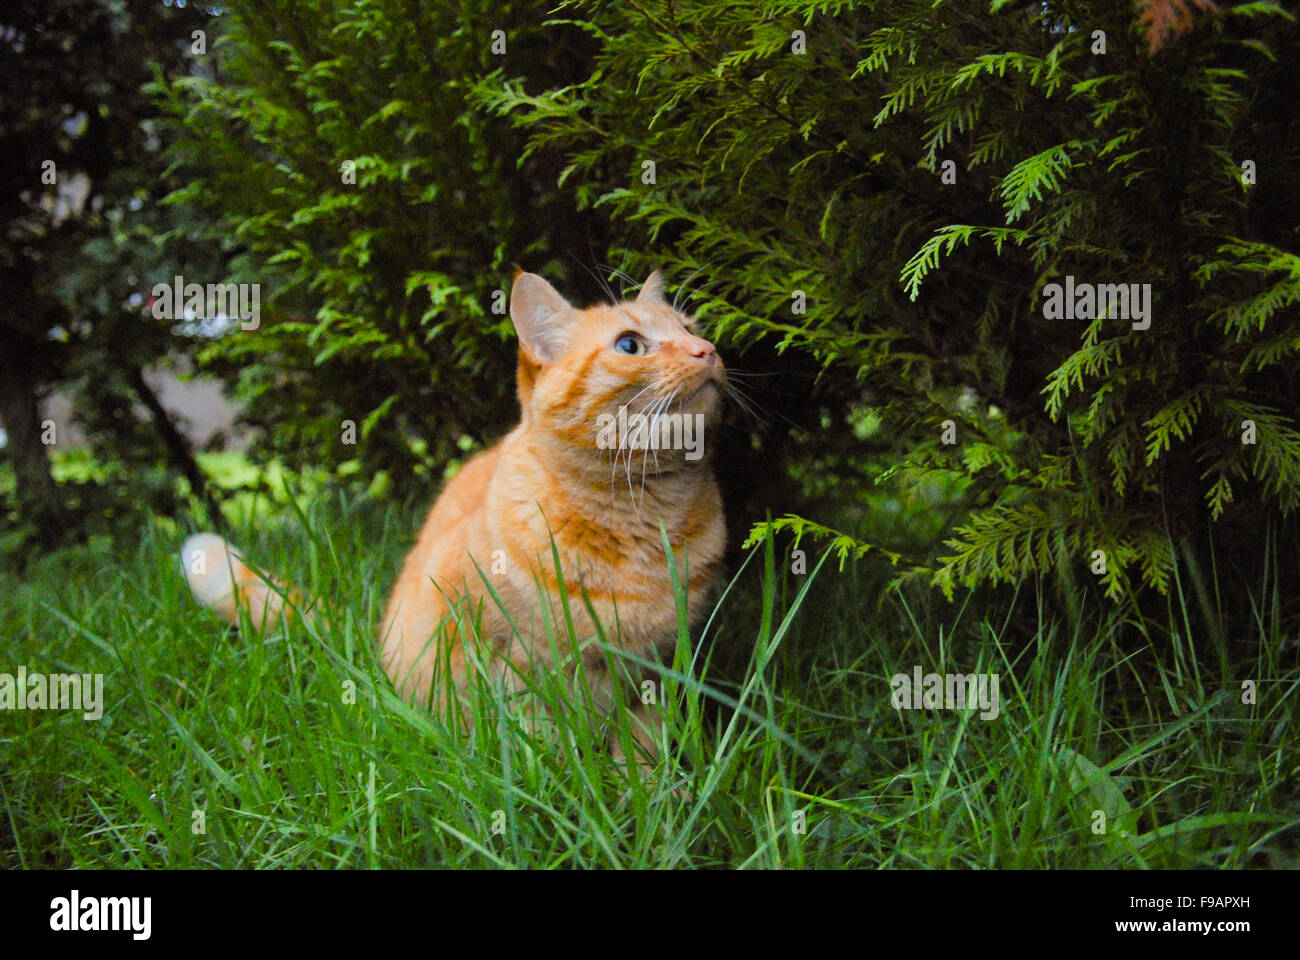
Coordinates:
[614,463]
[613,471]
[651,446]
[654,448]
[747,405]
[601,281]
[624,449]
[665,405]
[738,392]
[758,413]
[632,399]
[630,494]
[618,272]
[679,297]
[647,436]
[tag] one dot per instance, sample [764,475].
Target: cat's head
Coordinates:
[634,364]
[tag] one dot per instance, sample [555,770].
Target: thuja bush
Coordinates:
[331,151]
[1049,249]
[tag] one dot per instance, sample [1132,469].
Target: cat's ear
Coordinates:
[653,288]
[538,310]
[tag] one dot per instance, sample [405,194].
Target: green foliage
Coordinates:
[332,151]
[894,256]
[921,173]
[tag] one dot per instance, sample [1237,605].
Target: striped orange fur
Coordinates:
[556,475]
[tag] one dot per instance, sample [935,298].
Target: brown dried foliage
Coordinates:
[1164,20]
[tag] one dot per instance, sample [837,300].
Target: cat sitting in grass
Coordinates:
[616,401]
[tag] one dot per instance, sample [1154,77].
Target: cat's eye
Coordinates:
[630,344]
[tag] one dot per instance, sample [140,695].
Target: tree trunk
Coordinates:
[39,504]
[178,448]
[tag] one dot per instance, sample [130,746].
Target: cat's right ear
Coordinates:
[538,313]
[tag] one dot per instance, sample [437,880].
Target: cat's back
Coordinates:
[466,493]
[415,603]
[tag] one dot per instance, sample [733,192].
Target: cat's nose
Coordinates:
[702,350]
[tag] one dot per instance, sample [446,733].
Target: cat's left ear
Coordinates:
[540,316]
[653,288]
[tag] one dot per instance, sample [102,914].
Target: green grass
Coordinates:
[294,752]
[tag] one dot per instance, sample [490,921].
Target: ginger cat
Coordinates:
[571,470]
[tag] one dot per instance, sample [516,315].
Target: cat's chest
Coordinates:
[617,562]
[601,545]
[609,548]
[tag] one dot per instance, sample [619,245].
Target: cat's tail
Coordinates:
[221,580]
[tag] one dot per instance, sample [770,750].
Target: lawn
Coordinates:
[1117,742]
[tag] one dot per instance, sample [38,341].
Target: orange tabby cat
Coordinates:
[576,469]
